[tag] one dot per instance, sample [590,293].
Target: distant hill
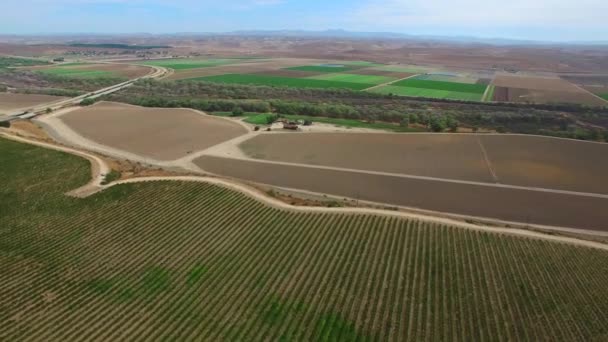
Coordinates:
[120,46]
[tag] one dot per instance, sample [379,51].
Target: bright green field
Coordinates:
[445,86]
[404,68]
[320,68]
[186,63]
[429,93]
[281,81]
[446,78]
[604,96]
[179,261]
[354,78]
[78,73]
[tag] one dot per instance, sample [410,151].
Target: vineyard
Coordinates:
[185,261]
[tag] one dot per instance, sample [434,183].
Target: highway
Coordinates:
[157,72]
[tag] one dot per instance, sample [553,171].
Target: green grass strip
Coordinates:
[323,68]
[278,81]
[354,78]
[442,85]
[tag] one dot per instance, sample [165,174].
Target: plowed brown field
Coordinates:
[464,199]
[163,134]
[514,159]
[10,102]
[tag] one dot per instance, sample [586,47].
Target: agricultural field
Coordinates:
[93,71]
[10,102]
[192,63]
[434,89]
[508,159]
[354,78]
[185,261]
[446,77]
[279,81]
[328,68]
[503,203]
[528,89]
[413,69]
[163,134]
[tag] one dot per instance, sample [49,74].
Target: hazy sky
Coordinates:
[557,20]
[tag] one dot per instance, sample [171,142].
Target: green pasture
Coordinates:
[446,78]
[78,73]
[402,68]
[604,96]
[428,93]
[187,63]
[323,68]
[354,78]
[278,81]
[440,85]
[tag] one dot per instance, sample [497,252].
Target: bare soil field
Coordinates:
[10,102]
[536,83]
[464,199]
[528,91]
[513,159]
[443,156]
[548,162]
[163,134]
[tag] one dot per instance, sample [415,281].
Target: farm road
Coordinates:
[99,168]
[389,83]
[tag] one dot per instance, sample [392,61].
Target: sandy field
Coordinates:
[443,156]
[464,199]
[162,134]
[10,102]
[511,159]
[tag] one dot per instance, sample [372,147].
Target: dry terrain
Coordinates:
[10,102]
[163,134]
[506,159]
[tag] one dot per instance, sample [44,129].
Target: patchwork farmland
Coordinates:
[186,261]
[399,80]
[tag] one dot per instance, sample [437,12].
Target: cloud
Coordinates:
[401,14]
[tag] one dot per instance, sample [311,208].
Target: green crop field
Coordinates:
[186,261]
[11,62]
[78,73]
[402,68]
[187,63]
[604,96]
[428,93]
[446,78]
[279,81]
[323,68]
[439,85]
[354,78]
